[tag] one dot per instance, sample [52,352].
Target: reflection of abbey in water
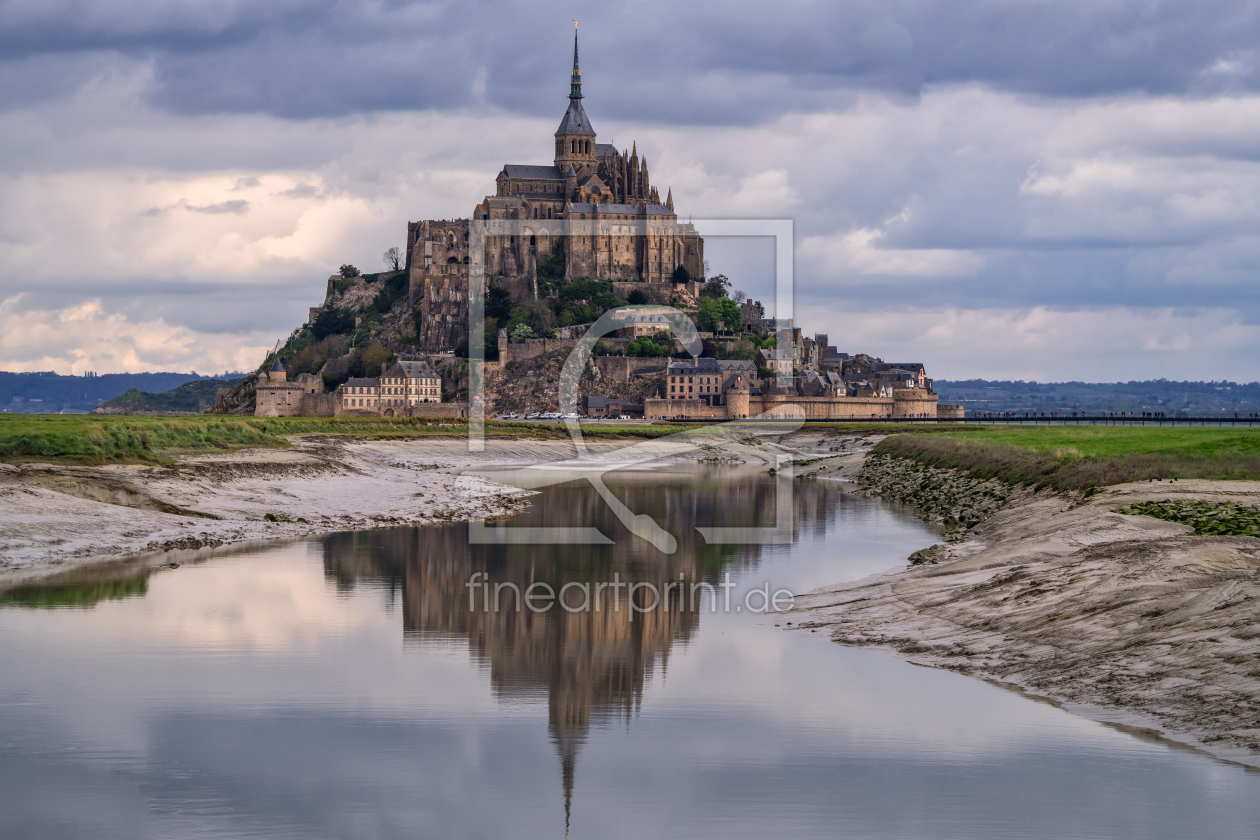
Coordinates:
[594,663]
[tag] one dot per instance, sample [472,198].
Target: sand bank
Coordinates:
[1124,619]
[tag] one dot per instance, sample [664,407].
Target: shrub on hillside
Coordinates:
[332,321]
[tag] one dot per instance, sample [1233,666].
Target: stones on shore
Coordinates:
[948,498]
[187,543]
[928,556]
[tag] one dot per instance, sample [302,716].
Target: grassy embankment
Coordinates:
[1082,457]
[95,439]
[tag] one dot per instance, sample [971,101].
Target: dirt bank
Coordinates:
[1122,618]
[58,515]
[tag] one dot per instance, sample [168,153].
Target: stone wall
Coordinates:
[319,405]
[621,368]
[914,402]
[519,351]
[950,412]
[290,399]
[816,408]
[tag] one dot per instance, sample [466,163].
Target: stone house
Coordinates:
[359,393]
[643,322]
[408,388]
[708,380]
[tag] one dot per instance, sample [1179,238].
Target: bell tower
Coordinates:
[575,139]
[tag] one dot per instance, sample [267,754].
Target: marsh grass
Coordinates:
[94,439]
[1084,457]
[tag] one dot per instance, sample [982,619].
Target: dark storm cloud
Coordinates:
[724,64]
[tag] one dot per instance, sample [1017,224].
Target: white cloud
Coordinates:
[83,337]
[860,252]
[220,231]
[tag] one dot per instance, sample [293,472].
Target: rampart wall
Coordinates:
[621,368]
[815,408]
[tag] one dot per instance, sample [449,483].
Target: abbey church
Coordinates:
[627,234]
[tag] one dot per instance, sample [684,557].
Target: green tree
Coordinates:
[550,269]
[732,315]
[498,304]
[681,274]
[348,271]
[715,287]
[645,346]
[708,314]
[332,321]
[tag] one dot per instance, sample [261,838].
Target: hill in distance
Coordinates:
[46,392]
[190,398]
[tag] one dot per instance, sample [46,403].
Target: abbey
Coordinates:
[623,231]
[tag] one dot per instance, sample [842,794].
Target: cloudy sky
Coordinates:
[1003,189]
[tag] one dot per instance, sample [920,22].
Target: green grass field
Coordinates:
[96,439]
[1061,457]
[1079,457]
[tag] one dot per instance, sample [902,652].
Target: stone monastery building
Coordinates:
[619,228]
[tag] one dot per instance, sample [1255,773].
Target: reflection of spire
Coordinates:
[593,664]
[567,761]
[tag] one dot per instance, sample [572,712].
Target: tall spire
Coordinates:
[575,79]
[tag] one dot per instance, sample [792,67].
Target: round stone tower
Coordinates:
[737,403]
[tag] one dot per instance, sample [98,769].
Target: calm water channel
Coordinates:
[343,687]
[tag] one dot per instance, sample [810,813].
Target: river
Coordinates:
[356,686]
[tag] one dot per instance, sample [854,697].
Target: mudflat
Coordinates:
[57,515]
[1123,618]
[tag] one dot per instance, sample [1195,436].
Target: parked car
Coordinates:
[533,415]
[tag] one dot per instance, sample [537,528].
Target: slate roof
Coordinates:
[360,382]
[410,368]
[605,150]
[702,365]
[575,120]
[525,170]
[276,367]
